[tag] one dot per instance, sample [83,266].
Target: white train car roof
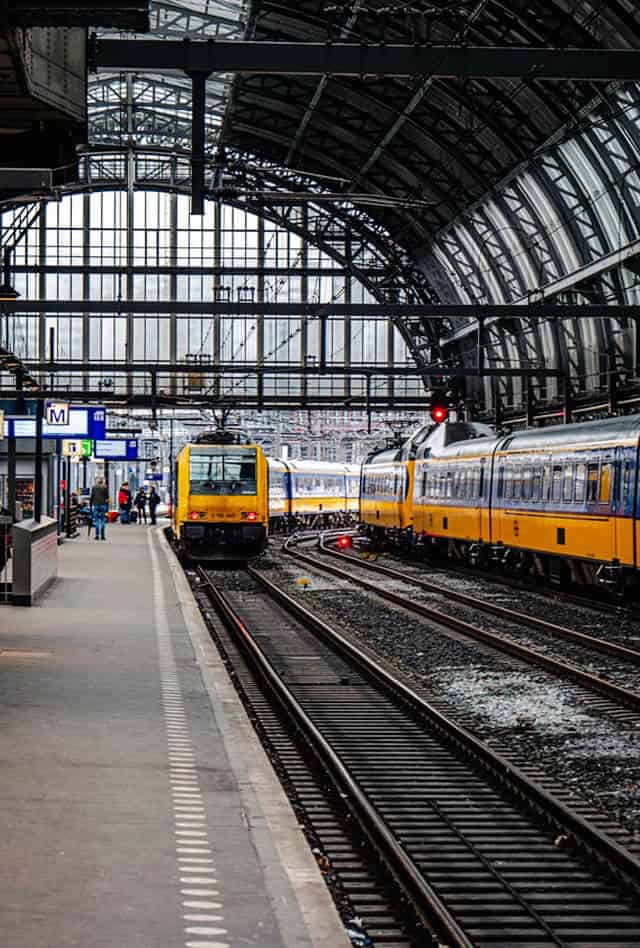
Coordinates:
[607,431]
[316,467]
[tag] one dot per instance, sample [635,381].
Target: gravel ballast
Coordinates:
[531,711]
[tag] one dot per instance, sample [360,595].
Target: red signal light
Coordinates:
[252,515]
[195,515]
[439,413]
[344,542]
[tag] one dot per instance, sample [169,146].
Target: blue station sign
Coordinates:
[81,422]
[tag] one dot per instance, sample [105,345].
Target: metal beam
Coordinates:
[281,368]
[349,59]
[242,400]
[198,139]
[328,310]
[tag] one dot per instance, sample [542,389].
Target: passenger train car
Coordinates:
[221,509]
[560,502]
[318,493]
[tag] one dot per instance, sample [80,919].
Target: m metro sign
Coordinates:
[57,414]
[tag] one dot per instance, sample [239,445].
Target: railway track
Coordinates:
[618,701]
[484,856]
[596,600]
[605,646]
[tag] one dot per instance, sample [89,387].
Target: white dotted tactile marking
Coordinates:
[202,916]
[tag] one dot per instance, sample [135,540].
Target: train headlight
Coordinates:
[251,515]
[197,514]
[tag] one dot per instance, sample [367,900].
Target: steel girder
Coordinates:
[384,311]
[356,60]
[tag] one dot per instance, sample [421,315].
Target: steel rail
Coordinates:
[429,907]
[596,845]
[607,688]
[572,635]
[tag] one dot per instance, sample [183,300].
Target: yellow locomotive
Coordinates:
[221,510]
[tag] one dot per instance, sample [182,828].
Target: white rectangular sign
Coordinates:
[111,448]
[57,414]
[72,448]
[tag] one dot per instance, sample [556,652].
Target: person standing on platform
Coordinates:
[140,503]
[154,500]
[124,502]
[99,502]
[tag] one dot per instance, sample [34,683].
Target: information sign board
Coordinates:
[116,449]
[82,422]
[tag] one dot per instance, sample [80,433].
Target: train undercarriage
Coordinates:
[556,571]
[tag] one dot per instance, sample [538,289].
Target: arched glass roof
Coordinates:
[486,190]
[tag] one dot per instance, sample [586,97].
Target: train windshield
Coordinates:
[222,470]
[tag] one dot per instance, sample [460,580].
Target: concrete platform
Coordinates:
[136,805]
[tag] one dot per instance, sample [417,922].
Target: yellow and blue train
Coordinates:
[312,493]
[560,503]
[230,496]
[221,510]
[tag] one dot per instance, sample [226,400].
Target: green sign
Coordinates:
[87,448]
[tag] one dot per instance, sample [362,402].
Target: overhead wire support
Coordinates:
[254,57]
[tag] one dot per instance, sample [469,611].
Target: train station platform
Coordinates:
[137,808]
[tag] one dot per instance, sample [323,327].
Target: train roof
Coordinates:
[604,431]
[300,466]
[458,439]
[388,456]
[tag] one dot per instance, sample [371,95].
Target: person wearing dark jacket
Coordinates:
[99,502]
[140,503]
[154,500]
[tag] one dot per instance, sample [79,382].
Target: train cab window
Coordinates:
[604,495]
[222,471]
[556,482]
[567,486]
[592,483]
[580,482]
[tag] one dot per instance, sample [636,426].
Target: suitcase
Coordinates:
[133,516]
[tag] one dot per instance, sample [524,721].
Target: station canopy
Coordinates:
[416,189]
